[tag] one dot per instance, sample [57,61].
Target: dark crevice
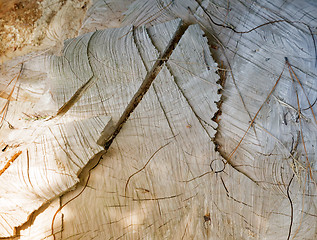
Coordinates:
[223,70]
[107,138]
[292,207]
[211,35]
[31,219]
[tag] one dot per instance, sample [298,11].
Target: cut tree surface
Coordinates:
[222,150]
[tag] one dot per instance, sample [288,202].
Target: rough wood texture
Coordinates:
[222,145]
[47,158]
[149,202]
[279,145]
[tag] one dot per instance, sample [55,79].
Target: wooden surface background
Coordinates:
[221,146]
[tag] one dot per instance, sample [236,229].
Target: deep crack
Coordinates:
[222,72]
[107,138]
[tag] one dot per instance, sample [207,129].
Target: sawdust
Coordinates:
[17,21]
[34,25]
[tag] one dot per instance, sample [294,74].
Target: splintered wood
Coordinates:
[46,162]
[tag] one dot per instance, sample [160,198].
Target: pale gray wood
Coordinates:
[176,192]
[257,59]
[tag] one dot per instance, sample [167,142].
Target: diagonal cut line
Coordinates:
[107,137]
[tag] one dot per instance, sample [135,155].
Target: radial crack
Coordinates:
[80,91]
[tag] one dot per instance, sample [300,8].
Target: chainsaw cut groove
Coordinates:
[107,138]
